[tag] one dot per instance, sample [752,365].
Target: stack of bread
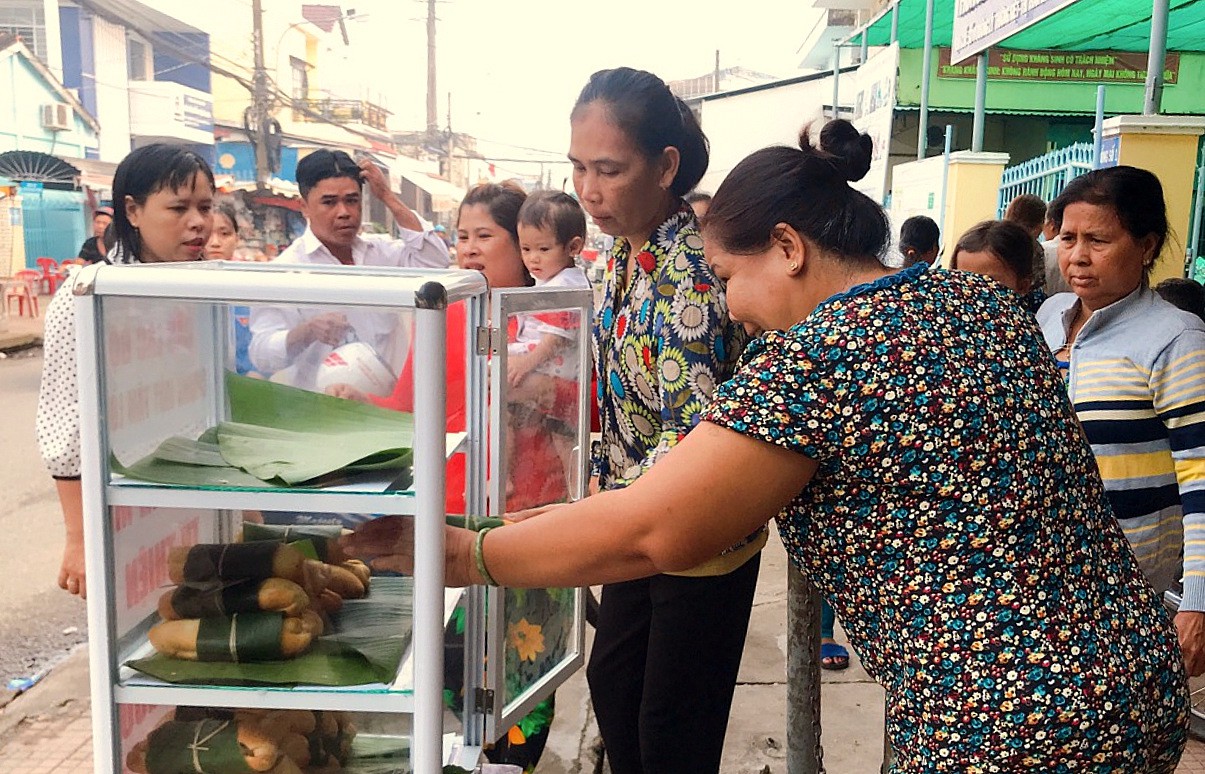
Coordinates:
[246,602]
[247,740]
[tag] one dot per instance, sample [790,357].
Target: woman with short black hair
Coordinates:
[162,202]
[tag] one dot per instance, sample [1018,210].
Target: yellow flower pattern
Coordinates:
[526,638]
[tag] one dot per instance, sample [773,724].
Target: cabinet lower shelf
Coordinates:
[134,687]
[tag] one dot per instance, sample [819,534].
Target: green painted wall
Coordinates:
[1183,97]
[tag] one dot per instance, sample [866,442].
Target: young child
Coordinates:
[543,382]
[552,231]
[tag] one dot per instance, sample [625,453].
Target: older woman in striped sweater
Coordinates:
[1135,368]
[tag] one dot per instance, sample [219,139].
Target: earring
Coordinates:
[794,267]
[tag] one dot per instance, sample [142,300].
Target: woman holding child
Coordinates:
[927,473]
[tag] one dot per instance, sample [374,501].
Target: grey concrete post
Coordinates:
[1154,61]
[804,755]
[922,131]
[980,101]
[836,79]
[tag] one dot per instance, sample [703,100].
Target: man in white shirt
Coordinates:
[330,185]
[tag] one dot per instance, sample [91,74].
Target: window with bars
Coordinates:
[27,20]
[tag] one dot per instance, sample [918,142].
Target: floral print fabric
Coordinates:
[662,341]
[959,527]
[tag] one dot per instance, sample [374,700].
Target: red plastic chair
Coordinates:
[50,275]
[23,286]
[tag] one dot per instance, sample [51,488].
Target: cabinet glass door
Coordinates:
[539,347]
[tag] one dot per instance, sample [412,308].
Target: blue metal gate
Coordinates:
[1046,176]
[55,225]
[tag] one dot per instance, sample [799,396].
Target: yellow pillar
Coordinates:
[1167,146]
[972,194]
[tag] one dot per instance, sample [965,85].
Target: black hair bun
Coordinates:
[851,150]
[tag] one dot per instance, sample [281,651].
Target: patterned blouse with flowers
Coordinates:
[959,527]
[662,342]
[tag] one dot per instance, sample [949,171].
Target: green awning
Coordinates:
[1087,25]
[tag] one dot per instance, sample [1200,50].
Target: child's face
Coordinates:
[543,255]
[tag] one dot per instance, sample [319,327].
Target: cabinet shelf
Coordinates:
[364,495]
[134,687]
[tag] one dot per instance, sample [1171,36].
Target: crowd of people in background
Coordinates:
[990,462]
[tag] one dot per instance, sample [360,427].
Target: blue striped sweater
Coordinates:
[1137,380]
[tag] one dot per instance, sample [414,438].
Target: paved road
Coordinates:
[34,612]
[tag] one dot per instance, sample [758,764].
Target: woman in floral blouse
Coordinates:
[918,447]
[667,647]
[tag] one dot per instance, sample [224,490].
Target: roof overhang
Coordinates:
[1099,25]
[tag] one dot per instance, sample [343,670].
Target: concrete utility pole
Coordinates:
[804,753]
[258,125]
[451,142]
[432,117]
[922,130]
[977,128]
[715,79]
[1153,101]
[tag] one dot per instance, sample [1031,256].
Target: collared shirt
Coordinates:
[1136,376]
[663,340]
[270,325]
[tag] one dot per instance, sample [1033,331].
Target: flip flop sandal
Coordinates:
[833,657]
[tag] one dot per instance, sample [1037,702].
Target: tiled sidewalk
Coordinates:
[58,744]
[63,745]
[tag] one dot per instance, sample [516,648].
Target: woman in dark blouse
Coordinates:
[928,474]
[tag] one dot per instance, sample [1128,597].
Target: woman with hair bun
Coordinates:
[914,440]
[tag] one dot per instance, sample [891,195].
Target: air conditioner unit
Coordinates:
[56,116]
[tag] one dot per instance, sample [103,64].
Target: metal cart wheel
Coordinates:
[1196,685]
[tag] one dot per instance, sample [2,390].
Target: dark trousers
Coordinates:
[663,668]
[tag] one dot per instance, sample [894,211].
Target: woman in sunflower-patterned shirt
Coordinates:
[666,648]
[924,462]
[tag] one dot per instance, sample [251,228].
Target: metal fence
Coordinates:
[1046,176]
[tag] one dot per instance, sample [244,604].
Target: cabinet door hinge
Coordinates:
[483,701]
[488,340]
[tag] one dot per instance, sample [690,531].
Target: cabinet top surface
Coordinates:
[283,283]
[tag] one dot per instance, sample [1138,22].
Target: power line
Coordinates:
[523,147]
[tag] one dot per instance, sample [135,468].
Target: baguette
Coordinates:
[242,637]
[167,749]
[327,601]
[236,561]
[345,583]
[270,595]
[359,569]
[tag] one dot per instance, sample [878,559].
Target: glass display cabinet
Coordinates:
[236,420]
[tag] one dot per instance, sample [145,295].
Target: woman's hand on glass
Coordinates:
[387,544]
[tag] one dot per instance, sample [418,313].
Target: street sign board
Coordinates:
[1110,149]
[980,24]
[1004,64]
